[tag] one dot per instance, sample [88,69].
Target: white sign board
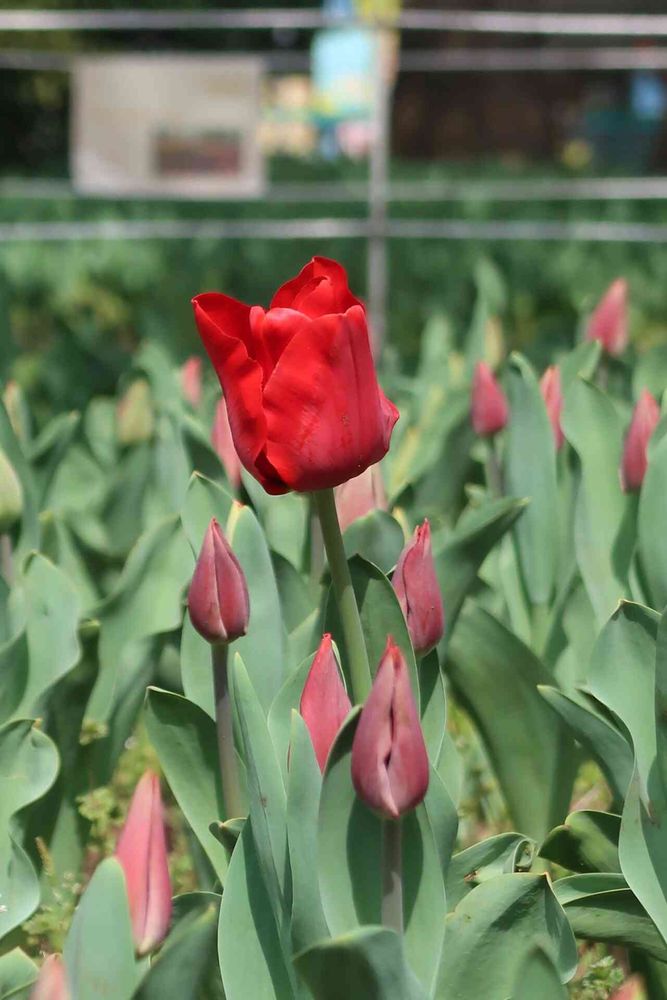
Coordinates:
[183,125]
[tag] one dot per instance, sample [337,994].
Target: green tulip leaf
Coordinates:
[500,855]
[204,499]
[587,841]
[17,975]
[538,977]
[651,541]
[10,445]
[377,537]
[184,962]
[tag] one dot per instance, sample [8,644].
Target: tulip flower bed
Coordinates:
[299,699]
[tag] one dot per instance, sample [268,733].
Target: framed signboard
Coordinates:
[167,125]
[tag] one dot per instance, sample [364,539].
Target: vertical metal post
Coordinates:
[377,191]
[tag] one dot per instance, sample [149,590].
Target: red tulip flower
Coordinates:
[490,411]
[609,320]
[305,408]
[553,400]
[644,421]
[142,853]
[359,496]
[416,585]
[191,381]
[221,439]
[390,768]
[52,981]
[324,701]
[218,599]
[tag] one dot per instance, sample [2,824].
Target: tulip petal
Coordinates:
[408,767]
[52,981]
[324,702]
[372,744]
[416,585]
[320,288]
[327,419]
[225,329]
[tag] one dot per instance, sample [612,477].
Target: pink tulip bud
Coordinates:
[390,768]
[191,381]
[142,853]
[553,400]
[418,591]
[218,598]
[359,496]
[609,320]
[324,701]
[221,439]
[645,417]
[632,989]
[489,405]
[52,981]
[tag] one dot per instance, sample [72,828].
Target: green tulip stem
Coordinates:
[493,468]
[392,875]
[316,544]
[360,671]
[229,772]
[6,558]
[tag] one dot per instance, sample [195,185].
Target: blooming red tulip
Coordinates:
[52,981]
[390,769]
[191,380]
[324,701]
[221,439]
[359,496]
[609,320]
[644,420]
[218,599]
[142,853]
[305,408]
[418,591]
[489,406]
[553,400]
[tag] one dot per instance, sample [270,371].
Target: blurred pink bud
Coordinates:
[52,981]
[645,417]
[221,439]
[390,768]
[142,853]
[609,320]
[324,702]
[489,405]
[218,598]
[359,496]
[418,591]
[191,381]
[553,400]
[632,989]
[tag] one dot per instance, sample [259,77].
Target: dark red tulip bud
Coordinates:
[644,420]
[390,768]
[418,591]
[489,405]
[359,496]
[222,441]
[191,381]
[324,702]
[609,320]
[218,599]
[52,981]
[142,853]
[553,400]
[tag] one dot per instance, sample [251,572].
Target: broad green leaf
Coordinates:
[496,676]
[296,597]
[587,841]
[377,537]
[196,668]
[494,928]
[530,471]
[252,962]
[538,977]
[368,962]
[204,499]
[350,877]
[59,545]
[433,704]
[99,951]
[185,739]
[29,537]
[28,768]
[47,451]
[643,847]
[651,540]
[184,960]
[280,714]
[581,361]
[499,855]
[17,974]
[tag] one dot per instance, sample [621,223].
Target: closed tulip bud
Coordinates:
[418,591]
[17,410]
[11,495]
[609,320]
[191,381]
[222,441]
[390,768]
[324,702]
[52,981]
[644,420]
[142,853]
[489,405]
[218,598]
[632,989]
[135,418]
[553,400]
[359,496]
